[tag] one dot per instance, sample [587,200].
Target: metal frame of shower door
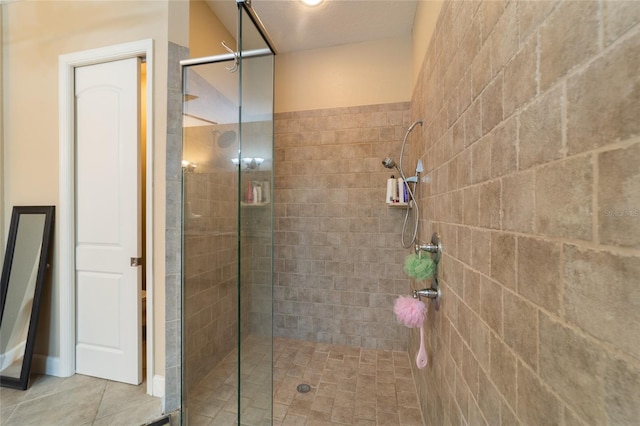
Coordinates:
[225,57]
[246,4]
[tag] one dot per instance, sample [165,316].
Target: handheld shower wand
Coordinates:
[389,163]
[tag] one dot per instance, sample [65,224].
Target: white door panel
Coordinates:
[108,327]
[99,296]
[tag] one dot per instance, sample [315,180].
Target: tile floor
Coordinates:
[349,386]
[214,402]
[77,401]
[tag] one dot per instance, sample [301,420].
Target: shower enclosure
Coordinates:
[227,264]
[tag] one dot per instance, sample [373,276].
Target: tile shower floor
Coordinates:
[348,386]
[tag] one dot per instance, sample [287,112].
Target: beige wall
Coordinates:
[356,74]
[531,148]
[424,23]
[206,32]
[179,22]
[376,72]
[35,34]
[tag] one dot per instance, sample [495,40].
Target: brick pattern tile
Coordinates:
[539,213]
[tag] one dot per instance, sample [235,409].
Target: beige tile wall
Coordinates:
[210,284]
[257,258]
[210,264]
[531,144]
[338,256]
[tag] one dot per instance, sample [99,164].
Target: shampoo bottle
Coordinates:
[266,191]
[249,196]
[391,184]
[257,193]
[401,193]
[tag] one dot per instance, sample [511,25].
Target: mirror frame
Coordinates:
[49,212]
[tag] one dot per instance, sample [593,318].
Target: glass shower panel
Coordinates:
[228,235]
[210,326]
[256,226]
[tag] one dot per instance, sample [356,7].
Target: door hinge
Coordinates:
[136,261]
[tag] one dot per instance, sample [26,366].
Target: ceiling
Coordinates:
[294,26]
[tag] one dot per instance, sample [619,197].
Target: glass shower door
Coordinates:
[210,327]
[228,235]
[256,226]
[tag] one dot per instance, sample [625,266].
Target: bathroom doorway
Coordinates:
[100,168]
[108,221]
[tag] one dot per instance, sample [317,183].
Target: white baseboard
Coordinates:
[49,365]
[158,386]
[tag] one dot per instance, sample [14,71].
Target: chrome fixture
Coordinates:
[427,247]
[188,166]
[430,293]
[435,248]
[224,138]
[234,67]
[249,162]
[389,163]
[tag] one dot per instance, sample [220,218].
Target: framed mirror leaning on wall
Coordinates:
[23,275]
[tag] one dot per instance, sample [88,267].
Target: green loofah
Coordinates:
[420,268]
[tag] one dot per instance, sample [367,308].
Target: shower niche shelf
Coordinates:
[399,205]
[243,204]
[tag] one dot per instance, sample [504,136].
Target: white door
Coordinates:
[108,320]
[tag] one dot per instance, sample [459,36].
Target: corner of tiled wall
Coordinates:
[173,229]
[532,151]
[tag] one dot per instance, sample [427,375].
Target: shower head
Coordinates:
[389,163]
[225,138]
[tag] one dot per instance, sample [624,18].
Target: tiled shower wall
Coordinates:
[210,255]
[211,263]
[338,257]
[257,255]
[531,144]
[173,370]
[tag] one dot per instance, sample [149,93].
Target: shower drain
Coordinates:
[303,388]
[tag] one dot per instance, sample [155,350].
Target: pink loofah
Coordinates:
[412,313]
[409,311]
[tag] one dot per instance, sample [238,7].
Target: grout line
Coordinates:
[595,217]
[538,56]
[601,29]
